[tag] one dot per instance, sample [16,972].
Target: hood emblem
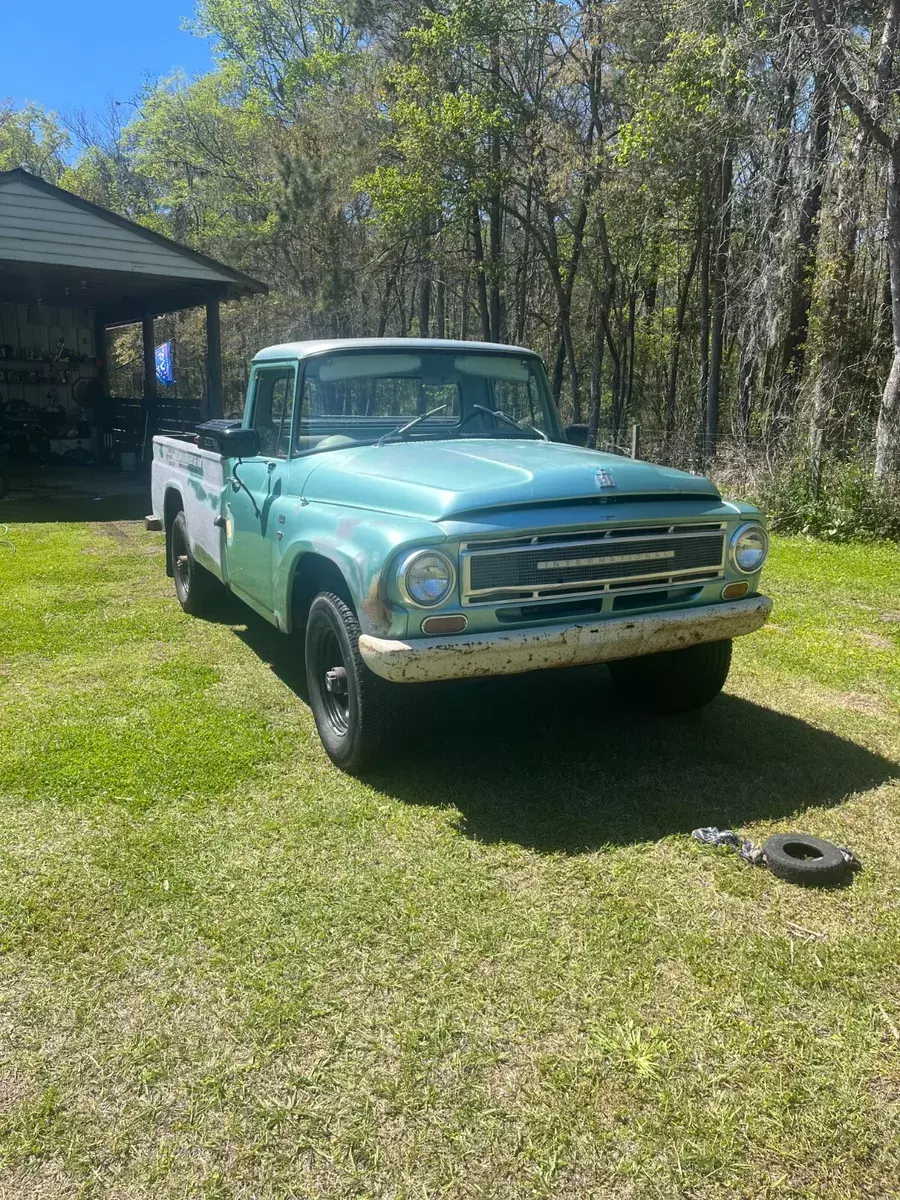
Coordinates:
[604,478]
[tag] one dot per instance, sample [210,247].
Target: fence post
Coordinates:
[635,441]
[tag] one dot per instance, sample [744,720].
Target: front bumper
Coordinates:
[466,656]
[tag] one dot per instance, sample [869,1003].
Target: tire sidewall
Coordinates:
[180,544]
[830,868]
[674,681]
[344,749]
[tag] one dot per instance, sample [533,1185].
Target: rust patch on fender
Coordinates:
[375,608]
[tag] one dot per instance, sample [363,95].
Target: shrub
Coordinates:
[844,504]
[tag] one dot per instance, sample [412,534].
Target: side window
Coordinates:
[273,409]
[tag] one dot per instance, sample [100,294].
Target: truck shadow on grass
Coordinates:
[556,762]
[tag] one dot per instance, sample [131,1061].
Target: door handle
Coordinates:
[271,466]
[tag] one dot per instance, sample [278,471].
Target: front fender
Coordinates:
[359,544]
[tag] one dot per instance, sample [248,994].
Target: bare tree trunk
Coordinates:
[480,280]
[596,391]
[440,300]
[717,338]
[746,387]
[834,297]
[495,214]
[704,326]
[677,334]
[424,302]
[523,268]
[630,352]
[887,432]
[794,349]
[559,365]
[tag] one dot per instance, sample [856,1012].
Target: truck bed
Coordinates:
[184,476]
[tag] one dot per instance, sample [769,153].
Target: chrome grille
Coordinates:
[594,561]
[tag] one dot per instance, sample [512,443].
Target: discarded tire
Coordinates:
[799,858]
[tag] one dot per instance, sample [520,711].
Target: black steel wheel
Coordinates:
[196,589]
[351,706]
[675,681]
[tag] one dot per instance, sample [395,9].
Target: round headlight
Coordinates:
[427,578]
[749,547]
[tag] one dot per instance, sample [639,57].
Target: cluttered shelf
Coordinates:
[110,430]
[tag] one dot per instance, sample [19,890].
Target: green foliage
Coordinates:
[286,50]
[845,506]
[430,126]
[32,138]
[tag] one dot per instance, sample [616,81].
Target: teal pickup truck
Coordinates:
[415,511]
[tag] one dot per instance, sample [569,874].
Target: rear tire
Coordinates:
[353,709]
[675,681]
[197,590]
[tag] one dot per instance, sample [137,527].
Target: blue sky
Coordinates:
[73,54]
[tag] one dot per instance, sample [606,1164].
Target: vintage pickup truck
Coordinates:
[415,511]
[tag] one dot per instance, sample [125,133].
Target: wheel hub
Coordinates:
[336,681]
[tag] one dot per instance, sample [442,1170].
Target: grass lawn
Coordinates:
[500,968]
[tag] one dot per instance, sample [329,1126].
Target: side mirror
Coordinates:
[228,438]
[239,443]
[577,434]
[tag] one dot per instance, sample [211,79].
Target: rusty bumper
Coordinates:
[465,656]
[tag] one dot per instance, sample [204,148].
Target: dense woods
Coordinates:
[692,209]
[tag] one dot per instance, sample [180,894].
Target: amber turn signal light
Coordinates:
[734,591]
[437,625]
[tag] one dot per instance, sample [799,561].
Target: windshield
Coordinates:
[362,397]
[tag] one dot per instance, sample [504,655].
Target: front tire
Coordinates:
[675,681]
[197,590]
[351,706]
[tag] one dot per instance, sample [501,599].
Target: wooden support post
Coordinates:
[635,441]
[101,353]
[149,361]
[149,407]
[213,359]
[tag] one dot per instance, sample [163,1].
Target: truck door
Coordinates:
[250,536]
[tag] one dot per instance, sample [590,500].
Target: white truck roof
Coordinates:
[324,345]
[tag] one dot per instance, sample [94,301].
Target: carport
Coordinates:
[70,271]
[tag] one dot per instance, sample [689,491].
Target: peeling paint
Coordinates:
[375,608]
[512,653]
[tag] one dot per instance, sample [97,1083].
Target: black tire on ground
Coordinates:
[675,681]
[799,858]
[354,710]
[197,590]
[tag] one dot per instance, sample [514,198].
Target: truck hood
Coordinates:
[436,480]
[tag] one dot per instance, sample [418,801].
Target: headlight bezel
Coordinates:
[403,577]
[735,538]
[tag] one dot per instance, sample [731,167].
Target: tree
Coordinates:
[32,138]
[873,109]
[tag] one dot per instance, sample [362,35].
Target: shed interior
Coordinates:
[69,271]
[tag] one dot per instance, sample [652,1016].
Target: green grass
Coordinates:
[500,968]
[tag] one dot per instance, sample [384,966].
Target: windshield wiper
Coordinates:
[401,429]
[502,416]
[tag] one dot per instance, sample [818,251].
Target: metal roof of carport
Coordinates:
[61,249]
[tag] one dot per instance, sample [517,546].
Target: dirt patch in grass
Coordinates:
[874,641]
[864,702]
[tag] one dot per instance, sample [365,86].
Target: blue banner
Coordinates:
[164,364]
